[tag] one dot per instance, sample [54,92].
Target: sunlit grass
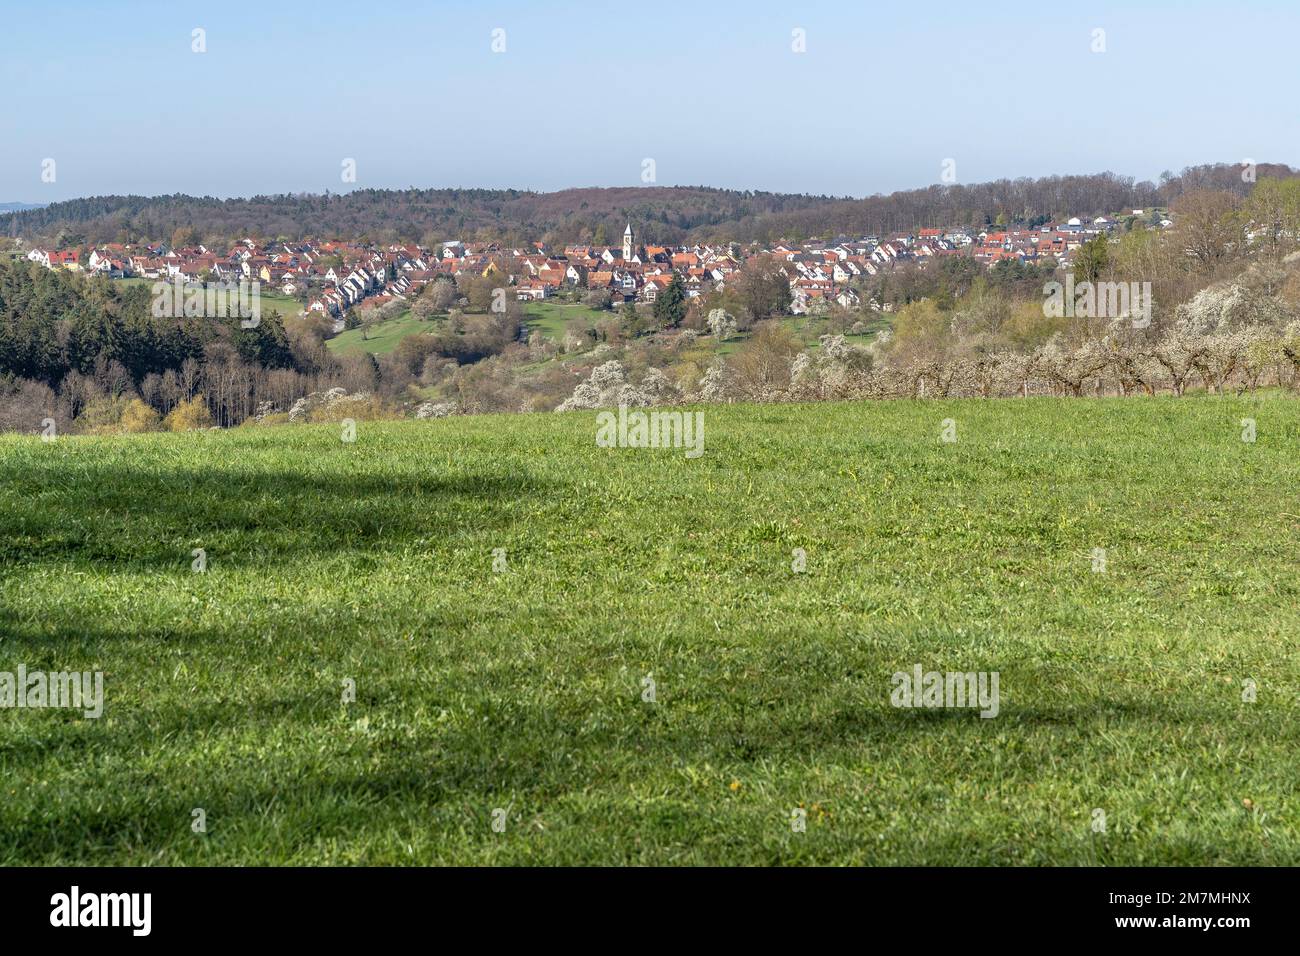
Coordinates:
[522,690]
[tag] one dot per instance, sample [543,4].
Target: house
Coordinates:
[844,271]
[98,261]
[848,299]
[105,266]
[653,286]
[807,296]
[148,266]
[532,289]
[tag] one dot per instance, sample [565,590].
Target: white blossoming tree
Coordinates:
[608,387]
[722,324]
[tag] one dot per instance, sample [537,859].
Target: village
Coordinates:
[335,277]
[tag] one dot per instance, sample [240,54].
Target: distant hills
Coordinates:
[660,214]
[20,206]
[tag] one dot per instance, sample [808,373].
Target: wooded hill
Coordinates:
[661,214]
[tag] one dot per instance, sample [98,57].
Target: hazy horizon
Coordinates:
[344,190]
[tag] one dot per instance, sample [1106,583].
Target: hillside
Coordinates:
[663,214]
[637,574]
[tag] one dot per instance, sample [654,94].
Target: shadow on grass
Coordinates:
[114,517]
[322,775]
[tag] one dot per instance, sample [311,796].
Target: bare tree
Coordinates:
[1206,225]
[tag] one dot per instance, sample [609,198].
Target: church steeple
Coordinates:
[628,241]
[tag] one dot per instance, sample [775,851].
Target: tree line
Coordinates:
[664,215]
[90,354]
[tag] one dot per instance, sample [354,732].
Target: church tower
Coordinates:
[628,242]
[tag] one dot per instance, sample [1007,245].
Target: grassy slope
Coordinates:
[381,338]
[522,690]
[548,317]
[285,305]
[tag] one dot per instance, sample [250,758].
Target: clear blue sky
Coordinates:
[585,91]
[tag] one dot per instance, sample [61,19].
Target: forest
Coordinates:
[664,214]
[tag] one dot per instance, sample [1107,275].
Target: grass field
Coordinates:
[286,306]
[380,339]
[1121,691]
[550,318]
[269,301]
[547,317]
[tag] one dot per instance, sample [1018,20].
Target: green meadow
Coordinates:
[268,301]
[381,338]
[549,318]
[609,654]
[287,307]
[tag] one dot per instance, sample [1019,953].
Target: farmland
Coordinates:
[613,646]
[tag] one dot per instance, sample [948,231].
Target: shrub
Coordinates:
[138,417]
[598,299]
[102,416]
[189,415]
[25,405]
